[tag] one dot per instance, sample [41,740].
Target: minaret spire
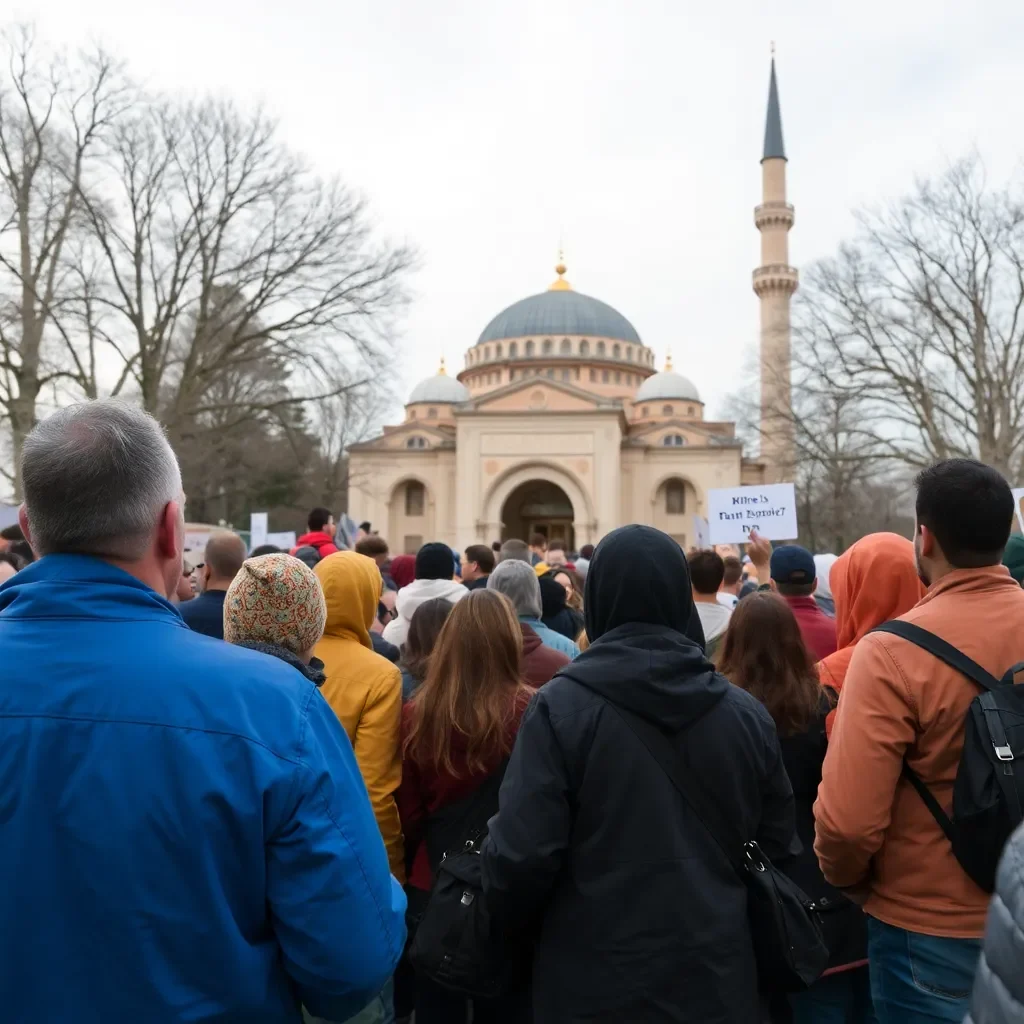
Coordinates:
[775,281]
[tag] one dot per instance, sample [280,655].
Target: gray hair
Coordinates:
[518,582]
[96,477]
[516,550]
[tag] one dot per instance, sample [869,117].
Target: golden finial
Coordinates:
[560,284]
[668,361]
[442,372]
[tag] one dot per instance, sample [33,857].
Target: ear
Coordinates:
[929,546]
[773,585]
[25,529]
[170,536]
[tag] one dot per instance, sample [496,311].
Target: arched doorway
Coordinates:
[538,506]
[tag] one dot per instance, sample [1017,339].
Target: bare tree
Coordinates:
[919,322]
[202,200]
[54,112]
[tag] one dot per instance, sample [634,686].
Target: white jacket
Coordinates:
[411,597]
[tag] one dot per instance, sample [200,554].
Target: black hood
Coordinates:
[646,649]
[552,596]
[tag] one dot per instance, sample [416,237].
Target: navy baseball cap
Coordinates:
[793,564]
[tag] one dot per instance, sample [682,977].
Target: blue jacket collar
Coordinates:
[81,587]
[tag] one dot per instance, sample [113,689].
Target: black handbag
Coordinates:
[787,939]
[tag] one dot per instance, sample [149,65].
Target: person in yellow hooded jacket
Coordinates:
[364,689]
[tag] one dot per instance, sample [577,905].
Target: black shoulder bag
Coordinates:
[788,943]
[453,943]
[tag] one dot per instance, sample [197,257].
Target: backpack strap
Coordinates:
[946,652]
[942,650]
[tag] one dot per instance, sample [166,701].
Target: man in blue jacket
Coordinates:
[184,832]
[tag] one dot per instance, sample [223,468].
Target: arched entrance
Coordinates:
[538,506]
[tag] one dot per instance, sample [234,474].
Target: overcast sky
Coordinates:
[484,132]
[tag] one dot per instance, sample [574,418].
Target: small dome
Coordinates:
[667,384]
[441,389]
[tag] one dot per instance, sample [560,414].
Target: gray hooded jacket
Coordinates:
[999,985]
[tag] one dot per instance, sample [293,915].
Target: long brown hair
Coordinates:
[424,629]
[472,687]
[764,654]
[576,601]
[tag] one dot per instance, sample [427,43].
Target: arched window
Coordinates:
[629,352]
[529,349]
[666,410]
[618,376]
[548,346]
[412,414]
[689,410]
[513,350]
[647,411]
[511,374]
[593,376]
[565,374]
[576,373]
[487,352]
[584,347]
[551,372]
[600,348]
[673,441]
[498,351]
[431,413]
[566,346]
[675,497]
[604,376]
[616,351]
[415,498]
[416,442]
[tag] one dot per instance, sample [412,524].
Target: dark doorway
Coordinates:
[539,506]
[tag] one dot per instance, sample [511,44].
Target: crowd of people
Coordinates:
[230,788]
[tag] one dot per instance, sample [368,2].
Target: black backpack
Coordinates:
[452,941]
[988,795]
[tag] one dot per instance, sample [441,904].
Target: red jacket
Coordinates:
[323,542]
[817,629]
[539,662]
[426,790]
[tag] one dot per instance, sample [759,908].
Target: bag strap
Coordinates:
[942,650]
[441,831]
[660,748]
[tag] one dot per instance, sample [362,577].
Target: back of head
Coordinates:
[518,582]
[403,570]
[539,541]
[732,570]
[371,546]
[97,478]
[224,555]
[514,550]
[434,562]
[793,570]
[873,581]
[352,586]
[707,570]
[265,549]
[968,506]
[765,654]
[318,518]
[639,575]
[424,629]
[482,555]
[587,551]
[275,599]
[552,596]
[470,687]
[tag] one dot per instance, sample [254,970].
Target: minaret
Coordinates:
[774,282]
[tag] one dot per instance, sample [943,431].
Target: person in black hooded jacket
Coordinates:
[634,912]
[555,613]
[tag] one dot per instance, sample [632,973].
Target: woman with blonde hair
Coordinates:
[457,732]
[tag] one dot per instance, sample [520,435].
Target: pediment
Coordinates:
[693,434]
[397,437]
[539,394]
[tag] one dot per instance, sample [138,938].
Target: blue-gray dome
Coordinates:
[667,385]
[555,313]
[441,389]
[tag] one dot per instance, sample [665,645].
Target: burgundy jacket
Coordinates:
[539,662]
[817,629]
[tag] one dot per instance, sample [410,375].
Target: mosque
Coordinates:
[560,423]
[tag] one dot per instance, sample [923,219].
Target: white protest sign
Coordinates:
[734,511]
[1018,501]
[195,540]
[284,540]
[257,530]
[701,537]
[8,515]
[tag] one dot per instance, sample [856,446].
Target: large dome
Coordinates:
[667,385]
[441,389]
[556,313]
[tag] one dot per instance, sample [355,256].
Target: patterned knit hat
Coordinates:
[275,599]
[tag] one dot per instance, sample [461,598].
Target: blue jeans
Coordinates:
[920,979]
[843,998]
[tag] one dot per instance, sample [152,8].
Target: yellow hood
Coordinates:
[352,587]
